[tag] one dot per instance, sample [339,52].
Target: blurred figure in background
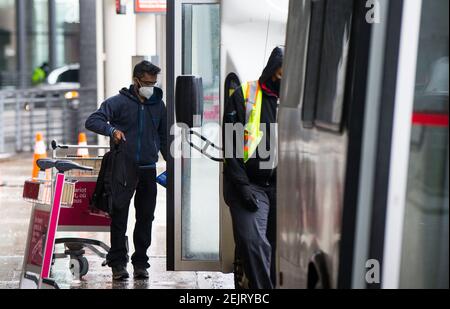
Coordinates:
[40,74]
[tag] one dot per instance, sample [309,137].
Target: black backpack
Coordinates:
[102,198]
[112,182]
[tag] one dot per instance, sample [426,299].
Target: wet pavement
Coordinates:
[14,220]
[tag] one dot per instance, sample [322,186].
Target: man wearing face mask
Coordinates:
[135,119]
[250,175]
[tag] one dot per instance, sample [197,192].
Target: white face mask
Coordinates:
[146,92]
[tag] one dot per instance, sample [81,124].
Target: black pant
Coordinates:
[255,236]
[145,204]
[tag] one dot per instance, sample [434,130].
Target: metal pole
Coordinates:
[22,65]
[18,124]
[170,98]
[48,113]
[2,121]
[88,64]
[52,54]
[31,120]
[66,128]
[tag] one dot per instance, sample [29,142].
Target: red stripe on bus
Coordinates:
[430,120]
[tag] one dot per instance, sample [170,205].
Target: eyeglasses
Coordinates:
[147,83]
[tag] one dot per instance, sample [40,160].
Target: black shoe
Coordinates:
[140,273]
[120,273]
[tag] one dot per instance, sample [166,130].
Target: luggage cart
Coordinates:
[62,204]
[81,217]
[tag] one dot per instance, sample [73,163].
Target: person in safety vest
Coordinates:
[250,142]
[40,74]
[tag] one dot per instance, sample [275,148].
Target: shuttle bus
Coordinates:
[363,137]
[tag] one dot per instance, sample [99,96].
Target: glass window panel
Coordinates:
[200,201]
[426,234]
[67,32]
[313,66]
[333,70]
[70,76]
[37,34]
[7,42]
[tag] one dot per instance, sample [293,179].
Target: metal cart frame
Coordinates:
[75,248]
[62,204]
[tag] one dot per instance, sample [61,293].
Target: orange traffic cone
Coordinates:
[82,141]
[40,152]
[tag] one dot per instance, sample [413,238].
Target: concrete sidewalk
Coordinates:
[14,219]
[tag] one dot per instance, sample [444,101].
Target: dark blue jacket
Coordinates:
[144,124]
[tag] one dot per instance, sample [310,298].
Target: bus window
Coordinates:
[315,79]
[313,65]
[333,69]
[295,64]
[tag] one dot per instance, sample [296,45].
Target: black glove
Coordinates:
[250,200]
[231,117]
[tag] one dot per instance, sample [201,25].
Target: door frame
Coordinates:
[401,138]
[393,144]
[174,166]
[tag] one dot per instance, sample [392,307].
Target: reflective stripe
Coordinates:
[251,99]
[253,106]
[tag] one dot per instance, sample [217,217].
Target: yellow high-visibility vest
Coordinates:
[253,106]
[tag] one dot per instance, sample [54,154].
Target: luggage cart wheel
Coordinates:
[79,267]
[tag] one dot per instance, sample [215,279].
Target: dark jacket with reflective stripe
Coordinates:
[144,124]
[234,168]
[235,171]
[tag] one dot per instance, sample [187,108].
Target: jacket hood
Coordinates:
[156,98]
[275,62]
